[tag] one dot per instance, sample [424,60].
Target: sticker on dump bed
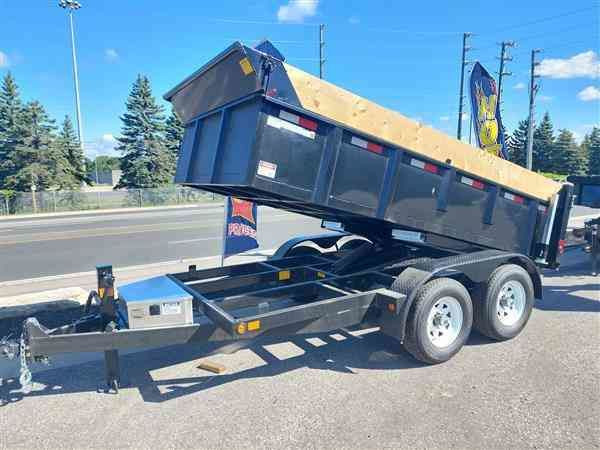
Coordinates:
[171,308]
[276,122]
[266,169]
[246,66]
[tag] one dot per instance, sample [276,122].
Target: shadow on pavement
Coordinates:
[371,350]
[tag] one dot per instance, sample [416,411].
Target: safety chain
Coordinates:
[24,373]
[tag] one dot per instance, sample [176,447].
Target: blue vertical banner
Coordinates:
[486,112]
[240,226]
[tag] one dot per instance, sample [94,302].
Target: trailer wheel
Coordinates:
[504,305]
[439,322]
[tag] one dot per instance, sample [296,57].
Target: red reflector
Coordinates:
[478,184]
[375,148]
[430,168]
[305,123]
[514,198]
[561,246]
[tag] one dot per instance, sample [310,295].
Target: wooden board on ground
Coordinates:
[354,111]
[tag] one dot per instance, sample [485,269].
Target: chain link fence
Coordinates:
[57,201]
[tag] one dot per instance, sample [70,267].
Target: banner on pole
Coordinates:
[240,226]
[486,112]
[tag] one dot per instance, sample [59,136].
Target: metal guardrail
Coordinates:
[58,201]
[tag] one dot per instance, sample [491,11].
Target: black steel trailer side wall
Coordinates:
[322,174]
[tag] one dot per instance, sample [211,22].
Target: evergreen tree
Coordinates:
[544,159]
[70,170]
[33,159]
[173,137]
[517,144]
[594,152]
[570,160]
[146,162]
[11,126]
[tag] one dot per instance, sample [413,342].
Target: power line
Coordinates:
[543,19]
[262,22]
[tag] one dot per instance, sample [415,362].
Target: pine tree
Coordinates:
[70,170]
[33,159]
[570,160]
[594,152]
[517,144]
[173,137]
[544,159]
[12,130]
[146,162]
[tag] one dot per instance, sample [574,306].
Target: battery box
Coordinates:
[155,302]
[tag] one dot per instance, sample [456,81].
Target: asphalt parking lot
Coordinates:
[345,390]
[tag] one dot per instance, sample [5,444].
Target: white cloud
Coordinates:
[589,94]
[545,98]
[111,55]
[3,60]
[582,65]
[520,86]
[445,118]
[354,20]
[297,10]
[102,146]
[465,116]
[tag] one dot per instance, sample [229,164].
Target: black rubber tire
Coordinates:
[485,319]
[416,341]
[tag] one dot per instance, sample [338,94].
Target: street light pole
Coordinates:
[70,6]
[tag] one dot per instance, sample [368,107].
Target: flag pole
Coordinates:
[227,202]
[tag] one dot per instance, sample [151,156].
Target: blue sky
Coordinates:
[403,55]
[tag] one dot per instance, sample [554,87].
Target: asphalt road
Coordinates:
[38,247]
[342,390]
[52,246]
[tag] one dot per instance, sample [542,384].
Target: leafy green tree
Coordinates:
[593,151]
[173,136]
[12,129]
[570,159]
[517,144]
[33,158]
[70,170]
[544,159]
[146,162]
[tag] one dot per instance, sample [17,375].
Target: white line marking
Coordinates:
[195,240]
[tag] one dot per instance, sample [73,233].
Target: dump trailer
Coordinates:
[427,237]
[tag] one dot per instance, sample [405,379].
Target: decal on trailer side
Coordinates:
[266,169]
[276,122]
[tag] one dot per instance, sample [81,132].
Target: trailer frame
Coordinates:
[282,296]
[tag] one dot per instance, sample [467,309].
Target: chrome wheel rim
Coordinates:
[510,304]
[444,322]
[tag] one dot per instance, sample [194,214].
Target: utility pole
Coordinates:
[70,6]
[504,57]
[464,62]
[533,89]
[321,50]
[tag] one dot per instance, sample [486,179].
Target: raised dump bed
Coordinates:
[260,129]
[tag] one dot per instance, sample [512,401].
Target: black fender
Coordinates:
[476,267]
[324,240]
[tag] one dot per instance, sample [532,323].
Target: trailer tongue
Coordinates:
[432,236]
